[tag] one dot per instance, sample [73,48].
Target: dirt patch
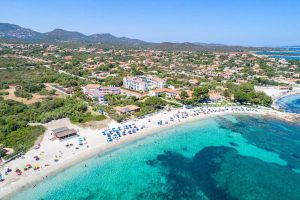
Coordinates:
[35,97]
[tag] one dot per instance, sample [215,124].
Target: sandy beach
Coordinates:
[55,156]
[277,93]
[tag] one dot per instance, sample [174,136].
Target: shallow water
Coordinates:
[231,157]
[288,54]
[290,103]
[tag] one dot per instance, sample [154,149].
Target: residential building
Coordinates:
[143,83]
[134,83]
[95,91]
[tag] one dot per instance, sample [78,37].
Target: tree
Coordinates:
[2,152]
[245,93]
[226,93]
[262,99]
[155,102]
[200,94]
[183,95]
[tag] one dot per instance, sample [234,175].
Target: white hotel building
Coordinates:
[143,83]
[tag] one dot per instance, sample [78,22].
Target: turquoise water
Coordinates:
[292,53]
[290,103]
[288,53]
[287,57]
[231,157]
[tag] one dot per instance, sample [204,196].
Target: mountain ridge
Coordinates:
[16,33]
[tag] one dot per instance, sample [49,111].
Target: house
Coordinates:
[131,93]
[194,81]
[170,93]
[130,109]
[63,132]
[68,57]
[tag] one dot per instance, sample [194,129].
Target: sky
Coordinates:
[233,22]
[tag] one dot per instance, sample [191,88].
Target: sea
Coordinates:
[288,53]
[226,157]
[290,103]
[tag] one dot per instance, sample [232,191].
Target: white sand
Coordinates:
[276,92]
[96,144]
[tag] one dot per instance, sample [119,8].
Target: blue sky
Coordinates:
[243,22]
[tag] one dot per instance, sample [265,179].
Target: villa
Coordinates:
[95,91]
[170,93]
[132,93]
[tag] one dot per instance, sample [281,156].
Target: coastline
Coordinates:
[29,179]
[278,93]
[275,103]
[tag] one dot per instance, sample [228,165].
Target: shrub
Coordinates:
[23,94]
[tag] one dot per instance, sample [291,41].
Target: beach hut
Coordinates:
[63,132]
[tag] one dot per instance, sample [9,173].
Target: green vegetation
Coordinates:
[14,131]
[33,80]
[115,81]
[183,95]
[48,110]
[269,70]
[82,118]
[2,93]
[147,105]
[14,118]
[178,83]
[245,93]
[46,92]
[22,93]
[2,152]
[13,62]
[23,139]
[200,94]
[264,81]
[4,85]
[30,66]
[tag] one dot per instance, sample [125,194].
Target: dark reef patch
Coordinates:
[272,135]
[220,173]
[233,144]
